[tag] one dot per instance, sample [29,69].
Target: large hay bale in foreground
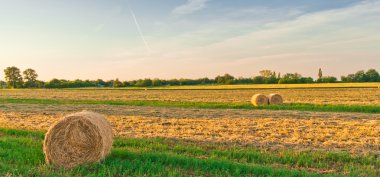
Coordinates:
[79,138]
[275,99]
[259,100]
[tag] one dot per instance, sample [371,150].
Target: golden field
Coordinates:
[359,96]
[354,132]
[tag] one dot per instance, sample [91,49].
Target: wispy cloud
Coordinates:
[139,28]
[190,7]
[327,39]
[140,31]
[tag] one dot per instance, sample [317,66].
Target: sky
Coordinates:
[133,39]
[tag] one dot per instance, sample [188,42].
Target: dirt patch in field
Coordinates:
[266,129]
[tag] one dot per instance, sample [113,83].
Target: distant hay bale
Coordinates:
[259,100]
[275,99]
[77,139]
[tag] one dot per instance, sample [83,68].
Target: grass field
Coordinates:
[21,155]
[322,129]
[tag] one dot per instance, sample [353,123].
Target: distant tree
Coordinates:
[266,73]
[126,84]
[327,79]
[291,78]
[242,80]
[173,82]
[306,80]
[100,83]
[344,78]
[30,78]
[204,81]
[54,83]
[117,83]
[360,76]
[269,76]
[40,84]
[320,74]
[372,75]
[258,80]
[156,82]
[144,83]
[225,79]
[3,84]
[13,77]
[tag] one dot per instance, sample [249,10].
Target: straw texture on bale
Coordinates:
[77,139]
[275,99]
[259,100]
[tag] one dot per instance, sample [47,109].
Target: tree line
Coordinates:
[14,78]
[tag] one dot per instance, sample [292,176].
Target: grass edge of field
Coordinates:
[186,156]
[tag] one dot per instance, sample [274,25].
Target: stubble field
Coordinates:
[305,143]
[350,96]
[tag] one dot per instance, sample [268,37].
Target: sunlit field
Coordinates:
[195,132]
[348,96]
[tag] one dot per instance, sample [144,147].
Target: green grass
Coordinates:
[208,105]
[21,155]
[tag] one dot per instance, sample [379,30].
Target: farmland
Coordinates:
[351,96]
[203,135]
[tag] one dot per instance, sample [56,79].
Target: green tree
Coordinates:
[54,83]
[13,77]
[156,82]
[3,84]
[360,76]
[320,74]
[328,79]
[258,80]
[225,79]
[144,83]
[372,75]
[266,73]
[291,78]
[117,83]
[30,78]
[348,78]
[269,76]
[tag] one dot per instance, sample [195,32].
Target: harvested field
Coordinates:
[165,112]
[350,96]
[208,127]
[356,133]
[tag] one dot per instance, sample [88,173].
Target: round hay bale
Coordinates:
[275,99]
[77,139]
[259,100]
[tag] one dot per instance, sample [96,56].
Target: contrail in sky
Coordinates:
[139,29]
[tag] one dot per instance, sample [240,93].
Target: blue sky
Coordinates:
[90,39]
